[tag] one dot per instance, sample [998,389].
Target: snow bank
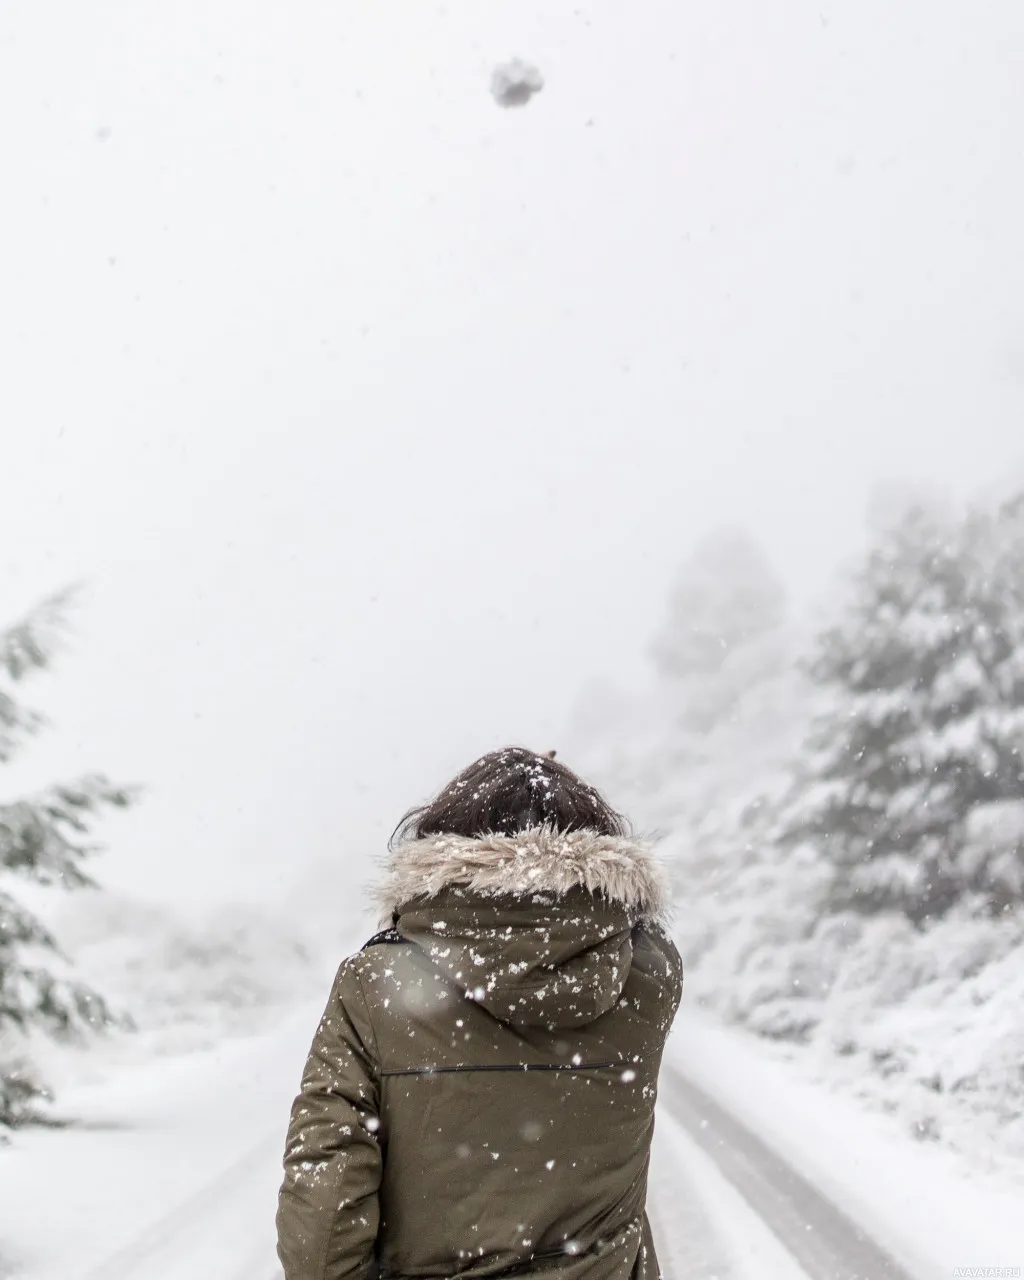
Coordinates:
[170,1170]
[924,1024]
[184,984]
[932,1208]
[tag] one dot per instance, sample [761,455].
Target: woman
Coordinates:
[479,1098]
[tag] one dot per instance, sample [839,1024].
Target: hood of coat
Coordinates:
[536,927]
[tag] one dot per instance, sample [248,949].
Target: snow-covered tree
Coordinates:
[701,756]
[914,775]
[45,839]
[724,595]
[723,630]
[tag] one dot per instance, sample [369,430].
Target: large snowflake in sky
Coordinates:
[514,83]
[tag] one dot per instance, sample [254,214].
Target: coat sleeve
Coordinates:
[328,1211]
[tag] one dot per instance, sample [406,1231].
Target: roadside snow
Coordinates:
[170,1170]
[750,1250]
[921,1023]
[932,1208]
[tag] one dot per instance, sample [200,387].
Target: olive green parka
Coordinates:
[479,1097]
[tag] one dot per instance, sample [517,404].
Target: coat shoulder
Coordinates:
[363,970]
[658,955]
[386,937]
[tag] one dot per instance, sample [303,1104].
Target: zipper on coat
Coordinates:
[522,1066]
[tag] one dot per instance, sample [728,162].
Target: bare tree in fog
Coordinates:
[44,839]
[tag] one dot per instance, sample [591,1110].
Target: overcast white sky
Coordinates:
[377,417]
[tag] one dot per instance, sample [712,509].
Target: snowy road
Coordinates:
[174,1169]
[723,1206]
[821,1242]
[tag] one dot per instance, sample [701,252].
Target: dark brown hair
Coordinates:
[508,791]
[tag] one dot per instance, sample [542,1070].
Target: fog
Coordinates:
[375,418]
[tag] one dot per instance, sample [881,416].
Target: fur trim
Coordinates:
[539,860]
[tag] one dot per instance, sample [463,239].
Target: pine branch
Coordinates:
[30,644]
[31,997]
[21,1092]
[16,724]
[20,928]
[40,837]
[44,838]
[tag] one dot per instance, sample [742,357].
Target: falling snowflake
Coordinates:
[514,83]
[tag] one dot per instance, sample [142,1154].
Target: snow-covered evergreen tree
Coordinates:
[701,757]
[724,609]
[723,664]
[912,785]
[45,839]
[807,877]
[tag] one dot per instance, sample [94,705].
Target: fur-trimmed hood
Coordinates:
[537,927]
[540,860]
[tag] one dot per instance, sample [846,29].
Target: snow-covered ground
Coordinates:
[703,1228]
[921,1024]
[173,1129]
[932,1208]
[171,1164]
[185,982]
[173,1169]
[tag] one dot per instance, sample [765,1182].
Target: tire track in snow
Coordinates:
[688,1243]
[826,1243]
[756,1226]
[737,1244]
